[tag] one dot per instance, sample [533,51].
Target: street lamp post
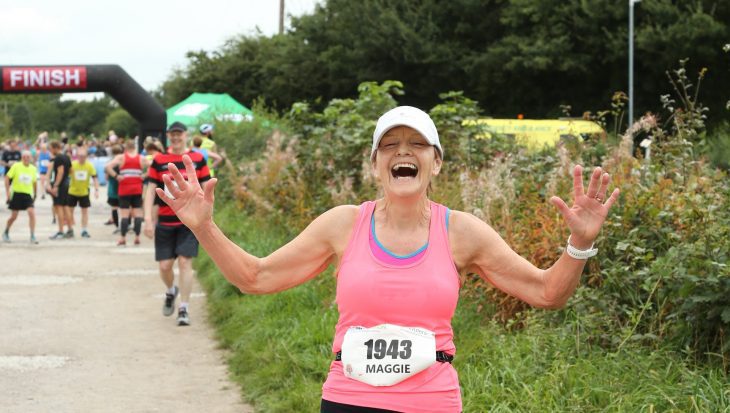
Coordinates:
[631,60]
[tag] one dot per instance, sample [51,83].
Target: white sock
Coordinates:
[183,306]
[171,290]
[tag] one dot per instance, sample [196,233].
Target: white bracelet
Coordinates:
[580,254]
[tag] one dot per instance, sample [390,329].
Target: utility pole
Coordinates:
[631,61]
[281,16]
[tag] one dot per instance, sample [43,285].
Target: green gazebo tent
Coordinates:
[200,108]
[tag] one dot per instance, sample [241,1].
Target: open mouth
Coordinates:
[403,170]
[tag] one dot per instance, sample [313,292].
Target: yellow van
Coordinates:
[535,134]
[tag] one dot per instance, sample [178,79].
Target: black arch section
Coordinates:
[111,79]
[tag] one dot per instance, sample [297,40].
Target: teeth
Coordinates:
[404,165]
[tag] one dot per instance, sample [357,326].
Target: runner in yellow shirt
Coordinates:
[82,172]
[24,176]
[208,144]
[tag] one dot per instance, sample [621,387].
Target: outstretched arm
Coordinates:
[296,262]
[479,249]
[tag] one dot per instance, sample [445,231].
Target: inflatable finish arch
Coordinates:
[111,79]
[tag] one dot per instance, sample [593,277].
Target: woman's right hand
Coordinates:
[192,203]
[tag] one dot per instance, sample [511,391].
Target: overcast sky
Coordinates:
[147,38]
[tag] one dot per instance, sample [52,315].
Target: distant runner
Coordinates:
[11,156]
[112,194]
[24,176]
[82,173]
[44,161]
[213,159]
[131,165]
[173,240]
[58,188]
[208,144]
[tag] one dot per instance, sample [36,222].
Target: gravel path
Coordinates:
[82,328]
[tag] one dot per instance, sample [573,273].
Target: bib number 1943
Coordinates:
[386,354]
[380,348]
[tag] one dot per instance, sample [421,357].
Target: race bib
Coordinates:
[80,175]
[25,179]
[387,354]
[44,163]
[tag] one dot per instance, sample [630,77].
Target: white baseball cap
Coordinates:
[406,116]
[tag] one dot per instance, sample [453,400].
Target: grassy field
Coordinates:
[280,352]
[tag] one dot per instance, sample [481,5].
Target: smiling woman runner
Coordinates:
[398,262]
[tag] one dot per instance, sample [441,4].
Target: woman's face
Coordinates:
[405,162]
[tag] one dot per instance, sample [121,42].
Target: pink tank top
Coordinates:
[423,294]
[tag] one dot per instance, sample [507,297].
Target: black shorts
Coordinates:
[20,202]
[113,202]
[62,198]
[82,201]
[174,241]
[332,407]
[130,201]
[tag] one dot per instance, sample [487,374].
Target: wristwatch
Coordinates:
[580,254]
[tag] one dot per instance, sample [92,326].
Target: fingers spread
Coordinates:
[561,205]
[595,182]
[601,194]
[577,181]
[164,196]
[190,170]
[171,188]
[613,198]
[209,190]
[177,176]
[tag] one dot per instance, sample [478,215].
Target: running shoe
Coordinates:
[6,237]
[122,243]
[136,241]
[183,319]
[116,231]
[58,235]
[33,240]
[69,234]
[169,306]
[109,222]
[85,234]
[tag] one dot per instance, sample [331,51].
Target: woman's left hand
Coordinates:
[589,209]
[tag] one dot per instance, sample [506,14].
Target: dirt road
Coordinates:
[81,328]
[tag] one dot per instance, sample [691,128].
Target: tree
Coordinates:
[513,56]
[122,123]
[6,125]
